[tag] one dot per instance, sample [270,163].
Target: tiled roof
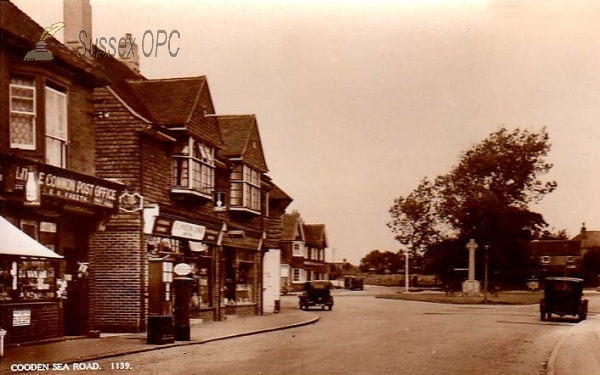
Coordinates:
[315,234]
[242,139]
[20,33]
[589,239]
[168,101]
[277,193]
[290,222]
[555,247]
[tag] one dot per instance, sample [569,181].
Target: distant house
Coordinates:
[303,252]
[556,257]
[590,240]
[563,257]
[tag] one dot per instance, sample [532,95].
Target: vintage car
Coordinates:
[354,282]
[563,296]
[317,293]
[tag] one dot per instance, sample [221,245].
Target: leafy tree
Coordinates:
[415,219]
[486,196]
[381,262]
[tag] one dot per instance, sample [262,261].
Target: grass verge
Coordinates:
[502,298]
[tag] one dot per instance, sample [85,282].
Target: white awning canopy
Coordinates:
[15,242]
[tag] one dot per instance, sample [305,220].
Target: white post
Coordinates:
[406,273]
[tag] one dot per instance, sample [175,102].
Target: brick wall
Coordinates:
[45,323]
[118,274]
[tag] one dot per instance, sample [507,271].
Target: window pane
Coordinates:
[22,112]
[237,173]
[56,127]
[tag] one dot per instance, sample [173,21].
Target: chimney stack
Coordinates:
[77,16]
[128,54]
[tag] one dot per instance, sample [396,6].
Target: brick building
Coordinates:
[303,252]
[130,172]
[50,188]
[195,170]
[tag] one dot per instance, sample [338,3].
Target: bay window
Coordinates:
[245,188]
[194,168]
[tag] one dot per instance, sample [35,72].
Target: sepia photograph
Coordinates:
[345,187]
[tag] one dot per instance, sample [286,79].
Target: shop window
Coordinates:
[22,112]
[56,127]
[239,276]
[245,189]
[202,296]
[27,280]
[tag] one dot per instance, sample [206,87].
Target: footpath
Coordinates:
[577,353]
[84,349]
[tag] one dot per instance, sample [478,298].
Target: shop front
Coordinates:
[59,210]
[31,289]
[179,240]
[241,276]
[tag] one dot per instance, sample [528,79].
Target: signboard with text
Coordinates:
[57,183]
[164,226]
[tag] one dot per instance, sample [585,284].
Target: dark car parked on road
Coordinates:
[563,296]
[354,282]
[317,293]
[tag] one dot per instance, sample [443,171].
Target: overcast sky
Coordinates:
[357,101]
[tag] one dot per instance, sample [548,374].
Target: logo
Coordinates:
[40,53]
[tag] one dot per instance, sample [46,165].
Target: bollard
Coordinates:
[2,334]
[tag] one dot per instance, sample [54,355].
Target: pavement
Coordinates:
[577,353]
[83,349]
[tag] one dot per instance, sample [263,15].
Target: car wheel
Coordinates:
[330,308]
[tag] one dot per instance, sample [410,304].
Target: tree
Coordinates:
[415,220]
[486,196]
[381,262]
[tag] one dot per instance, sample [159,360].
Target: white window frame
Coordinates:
[56,128]
[193,168]
[17,111]
[245,188]
[298,249]
[298,275]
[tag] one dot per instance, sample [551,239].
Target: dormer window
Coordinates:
[193,168]
[245,189]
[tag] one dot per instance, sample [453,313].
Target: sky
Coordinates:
[357,101]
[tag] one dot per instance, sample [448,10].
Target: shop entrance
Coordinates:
[75,307]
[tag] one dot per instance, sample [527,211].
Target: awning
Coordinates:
[15,242]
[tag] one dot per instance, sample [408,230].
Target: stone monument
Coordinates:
[471,286]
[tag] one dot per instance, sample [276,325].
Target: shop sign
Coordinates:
[168,227]
[131,202]
[162,226]
[58,183]
[182,269]
[21,318]
[188,230]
